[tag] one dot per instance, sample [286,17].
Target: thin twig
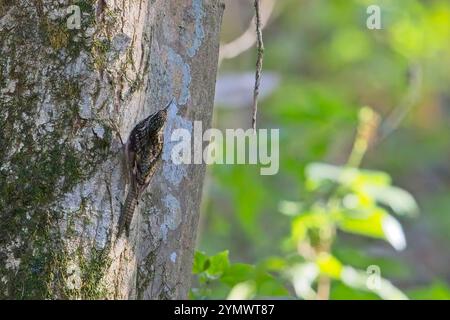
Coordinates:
[259,62]
[247,39]
[393,121]
[369,122]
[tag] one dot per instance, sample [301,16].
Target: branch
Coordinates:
[245,41]
[259,62]
[393,121]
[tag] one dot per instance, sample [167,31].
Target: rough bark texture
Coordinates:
[65,95]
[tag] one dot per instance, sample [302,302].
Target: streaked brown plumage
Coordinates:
[142,152]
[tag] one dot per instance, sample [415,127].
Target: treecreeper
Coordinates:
[142,153]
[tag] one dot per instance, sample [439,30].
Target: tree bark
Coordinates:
[66,96]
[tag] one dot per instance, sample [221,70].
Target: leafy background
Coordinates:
[341,208]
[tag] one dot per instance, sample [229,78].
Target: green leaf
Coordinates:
[248,280]
[201,262]
[318,173]
[400,201]
[274,264]
[298,230]
[377,224]
[370,178]
[341,291]
[318,220]
[366,281]
[237,273]
[329,265]
[269,286]
[437,291]
[393,232]
[218,264]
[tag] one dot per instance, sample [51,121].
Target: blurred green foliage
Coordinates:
[216,275]
[330,65]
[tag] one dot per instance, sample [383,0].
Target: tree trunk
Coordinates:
[66,96]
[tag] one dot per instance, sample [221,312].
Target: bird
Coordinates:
[143,150]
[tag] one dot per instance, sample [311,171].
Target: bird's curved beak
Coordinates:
[169,104]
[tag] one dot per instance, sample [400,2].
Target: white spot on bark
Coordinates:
[10,87]
[85,111]
[11,262]
[79,66]
[99,131]
[119,46]
[7,21]
[49,127]
[172,218]
[173,257]
[89,32]
[73,281]
[56,14]
[72,200]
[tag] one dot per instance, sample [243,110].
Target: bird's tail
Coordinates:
[127,212]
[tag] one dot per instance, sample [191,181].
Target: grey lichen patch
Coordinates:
[194,38]
[174,173]
[173,217]
[120,43]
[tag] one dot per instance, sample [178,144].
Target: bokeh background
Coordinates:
[289,235]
